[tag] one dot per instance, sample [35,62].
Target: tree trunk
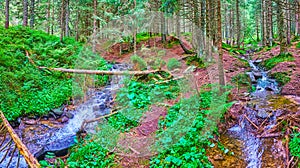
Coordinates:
[281,27]
[288,22]
[67,18]
[48,16]
[298,18]
[25,12]
[219,44]
[32,14]
[6,14]
[263,39]
[238,24]
[62,20]
[163,28]
[95,26]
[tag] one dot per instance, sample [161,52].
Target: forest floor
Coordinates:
[232,67]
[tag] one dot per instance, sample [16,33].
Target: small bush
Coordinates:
[138,62]
[195,60]
[173,63]
[281,77]
[242,80]
[298,45]
[272,62]
[295,145]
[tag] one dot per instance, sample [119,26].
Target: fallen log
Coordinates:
[30,159]
[101,72]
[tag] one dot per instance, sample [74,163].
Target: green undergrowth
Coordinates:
[185,132]
[298,45]
[294,145]
[196,61]
[281,77]
[173,63]
[242,81]
[26,90]
[272,62]
[135,98]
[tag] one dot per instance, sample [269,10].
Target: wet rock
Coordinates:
[30,121]
[258,61]
[252,77]
[257,74]
[57,111]
[262,113]
[63,119]
[69,115]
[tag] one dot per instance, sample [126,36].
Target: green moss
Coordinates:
[195,60]
[173,63]
[242,80]
[281,77]
[272,62]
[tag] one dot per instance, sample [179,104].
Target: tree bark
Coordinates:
[219,44]
[6,14]
[281,27]
[238,24]
[25,12]
[95,26]
[32,14]
[67,18]
[48,16]
[62,20]
[100,72]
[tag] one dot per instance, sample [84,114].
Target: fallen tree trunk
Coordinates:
[100,72]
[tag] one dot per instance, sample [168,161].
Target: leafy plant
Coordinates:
[294,145]
[281,77]
[138,62]
[272,62]
[90,154]
[242,80]
[189,151]
[173,63]
[195,60]
[298,45]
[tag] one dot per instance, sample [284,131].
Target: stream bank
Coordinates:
[251,138]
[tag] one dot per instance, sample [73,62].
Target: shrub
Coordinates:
[294,145]
[242,80]
[138,62]
[173,63]
[272,62]
[298,45]
[281,77]
[195,60]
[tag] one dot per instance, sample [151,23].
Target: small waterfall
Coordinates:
[253,146]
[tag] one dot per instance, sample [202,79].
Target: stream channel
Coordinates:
[246,148]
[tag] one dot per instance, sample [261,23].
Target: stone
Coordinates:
[63,119]
[57,111]
[218,157]
[262,113]
[69,115]
[257,74]
[30,121]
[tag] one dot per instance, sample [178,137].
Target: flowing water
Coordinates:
[255,149]
[52,136]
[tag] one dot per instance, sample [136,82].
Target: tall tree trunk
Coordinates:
[67,18]
[25,12]
[52,18]
[219,44]
[263,34]
[95,26]
[238,24]
[32,14]
[163,28]
[62,20]
[281,27]
[298,18]
[48,16]
[288,22]
[6,14]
